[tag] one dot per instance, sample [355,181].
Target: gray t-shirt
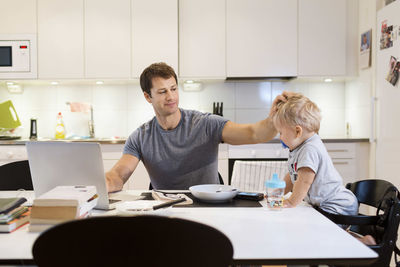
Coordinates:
[182,157]
[327,190]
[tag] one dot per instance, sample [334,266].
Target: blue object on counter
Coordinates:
[284,145]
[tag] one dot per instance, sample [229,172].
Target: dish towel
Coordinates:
[165,197]
[250,176]
[80,107]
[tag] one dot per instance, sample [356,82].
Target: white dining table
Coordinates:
[298,235]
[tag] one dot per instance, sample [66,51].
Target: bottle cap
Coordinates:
[275,182]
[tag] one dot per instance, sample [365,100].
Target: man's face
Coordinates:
[164,96]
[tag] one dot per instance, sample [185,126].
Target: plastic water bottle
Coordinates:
[60,128]
[275,188]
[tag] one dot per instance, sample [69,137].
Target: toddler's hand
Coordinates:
[287,204]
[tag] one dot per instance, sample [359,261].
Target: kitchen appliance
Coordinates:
[387,93]
[18,56]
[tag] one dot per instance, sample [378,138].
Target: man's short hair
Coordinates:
[155,70]
[299,110]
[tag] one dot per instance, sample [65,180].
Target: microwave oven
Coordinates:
[18,56]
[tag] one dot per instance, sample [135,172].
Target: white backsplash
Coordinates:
[120,109]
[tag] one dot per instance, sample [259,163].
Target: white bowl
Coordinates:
[138,207]
[214,193]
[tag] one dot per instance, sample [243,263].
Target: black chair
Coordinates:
[221,181]
[132,241]
[383,196]
[16,175]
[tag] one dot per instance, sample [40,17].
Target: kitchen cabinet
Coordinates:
[154,34]
[107,38]
[111,154]
[202,39]
[261,38]
[11,153]
[351,160]
[322,38]
[18,17]
[60,39]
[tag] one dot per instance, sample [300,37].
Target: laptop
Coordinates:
[65,163]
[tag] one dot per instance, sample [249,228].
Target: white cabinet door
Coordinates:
[261,38]
[202,38]
[107,38]
[60,39]
[322,37]
[154,34]
[17,16]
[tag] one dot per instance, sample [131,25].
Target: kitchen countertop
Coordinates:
[122,140]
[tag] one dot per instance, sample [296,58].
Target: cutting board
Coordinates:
[8,116]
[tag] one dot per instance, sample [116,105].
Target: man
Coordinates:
[178,147]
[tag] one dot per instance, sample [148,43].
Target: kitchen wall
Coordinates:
[120,108]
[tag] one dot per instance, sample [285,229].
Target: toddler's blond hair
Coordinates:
[298,110]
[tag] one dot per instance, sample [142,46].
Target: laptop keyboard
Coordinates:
[111,201]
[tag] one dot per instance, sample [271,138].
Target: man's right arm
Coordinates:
[120,172]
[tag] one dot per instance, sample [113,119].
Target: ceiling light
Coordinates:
[328,80]
[99,82]
[10,83]
[54,83]
[189,81]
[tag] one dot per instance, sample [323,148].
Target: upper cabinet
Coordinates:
[107,39]
[202,38]
[261,38]
[322,37]
[154,34]
[18,16]
[60,39]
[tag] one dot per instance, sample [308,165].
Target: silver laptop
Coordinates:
[62,163]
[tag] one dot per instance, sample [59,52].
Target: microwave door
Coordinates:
[5,56]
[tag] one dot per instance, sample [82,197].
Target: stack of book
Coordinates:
[12,214]
[62,203]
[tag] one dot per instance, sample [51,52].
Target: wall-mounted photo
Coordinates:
[386,40]
[394,69]
[365,50]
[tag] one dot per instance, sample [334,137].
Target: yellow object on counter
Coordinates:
[60,128]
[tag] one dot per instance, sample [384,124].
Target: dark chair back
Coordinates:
[132,241]
[15,175]
[383,196]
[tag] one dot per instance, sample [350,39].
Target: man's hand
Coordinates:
[279,98]
[120,172]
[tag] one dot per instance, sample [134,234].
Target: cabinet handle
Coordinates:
[341,163]
[338,150]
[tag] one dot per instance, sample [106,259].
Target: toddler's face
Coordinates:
[287,134]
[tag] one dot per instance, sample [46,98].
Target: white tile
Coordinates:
[110,97]
[75,93]
[333,123]
[253,95]
[327,95]
[39,97]
[230,114]
[189,100]
[218,92]
[251,115]
[137,117]
[110,123]
[360,121]
[136,98]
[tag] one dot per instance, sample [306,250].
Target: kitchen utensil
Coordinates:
[33,134]
[8,116]
[214,193]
